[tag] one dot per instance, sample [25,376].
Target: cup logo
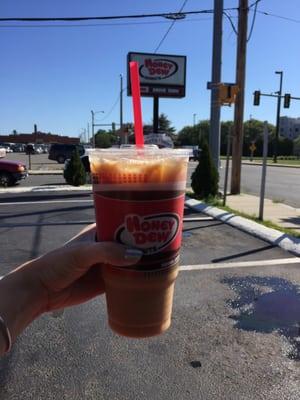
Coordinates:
[150,233]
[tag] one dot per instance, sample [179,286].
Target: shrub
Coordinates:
[74,172]
[205,178]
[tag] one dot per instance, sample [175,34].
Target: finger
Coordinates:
[67,264]
[85,288]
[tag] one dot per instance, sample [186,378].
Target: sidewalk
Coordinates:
[278,213]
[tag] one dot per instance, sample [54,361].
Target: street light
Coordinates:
[194,119]
[277,116]
[93,125]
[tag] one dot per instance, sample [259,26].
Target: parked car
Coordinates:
[18,147]
[7,147]
[61,152]
[11,172]
[86,163]
[2,152]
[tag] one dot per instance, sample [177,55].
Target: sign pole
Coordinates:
[263,173]
[155,113]
[227,165]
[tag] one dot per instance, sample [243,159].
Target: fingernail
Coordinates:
[133,254]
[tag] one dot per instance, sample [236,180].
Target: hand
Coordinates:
[72,274]
[61,278]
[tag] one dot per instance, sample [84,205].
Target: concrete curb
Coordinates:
[45,172]
[277,238]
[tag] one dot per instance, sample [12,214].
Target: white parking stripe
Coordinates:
[240,264]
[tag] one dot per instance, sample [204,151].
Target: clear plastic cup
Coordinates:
[139,201]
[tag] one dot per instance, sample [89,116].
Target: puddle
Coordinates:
[267,304]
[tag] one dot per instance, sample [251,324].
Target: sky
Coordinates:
[55,76]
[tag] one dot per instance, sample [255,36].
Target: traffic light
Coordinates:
[227,93]
[256,97]
[287,100]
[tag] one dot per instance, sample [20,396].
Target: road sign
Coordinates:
[161,75]
[252,147]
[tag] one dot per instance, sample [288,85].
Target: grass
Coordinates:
[216,202]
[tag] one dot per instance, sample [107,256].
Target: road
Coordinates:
[282,183]
[202,356]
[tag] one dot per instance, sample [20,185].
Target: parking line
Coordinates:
[240,264]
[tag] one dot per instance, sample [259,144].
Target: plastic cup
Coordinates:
[139,201]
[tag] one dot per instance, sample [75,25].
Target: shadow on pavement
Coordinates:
[39,212]
[35,196]
[243,254]
[266,305]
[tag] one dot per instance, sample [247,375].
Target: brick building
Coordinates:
[38,137]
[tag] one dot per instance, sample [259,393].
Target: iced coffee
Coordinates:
[139,201]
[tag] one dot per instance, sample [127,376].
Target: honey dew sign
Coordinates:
[161,75]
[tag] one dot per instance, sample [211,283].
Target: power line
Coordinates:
[102,25]
[253,19]
[279,16]
[112,17]
[170,27]
[111,109]
[231,22]
[254,4]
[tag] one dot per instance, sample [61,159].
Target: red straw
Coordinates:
[136,101]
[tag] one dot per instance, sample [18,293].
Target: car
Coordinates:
[18,147]
[11,172]
[61,152]
[7,147]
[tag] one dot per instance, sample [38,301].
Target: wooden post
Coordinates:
[237,143]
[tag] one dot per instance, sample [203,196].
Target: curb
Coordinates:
[45,172]
[277,238]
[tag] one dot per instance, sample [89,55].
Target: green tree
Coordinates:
[164,124]
[193,135]
[205,178]
[74,172]
[105,139]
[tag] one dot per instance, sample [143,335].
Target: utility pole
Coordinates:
[277,116]
[122,133]
[88,133]
[194,119]
[215,107]
[93,128]
[238,129]
[155,114]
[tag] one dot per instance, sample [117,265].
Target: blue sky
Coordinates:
[55,76]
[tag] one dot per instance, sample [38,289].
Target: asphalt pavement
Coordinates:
[282,184]
[234,333]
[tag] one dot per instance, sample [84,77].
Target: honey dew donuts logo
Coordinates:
[158,68]
[150,233]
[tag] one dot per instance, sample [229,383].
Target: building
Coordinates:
[38,137]
[289,127]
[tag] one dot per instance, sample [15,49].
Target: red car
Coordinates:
[11,172]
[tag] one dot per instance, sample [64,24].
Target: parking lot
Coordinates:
[235,329]
[38,161]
